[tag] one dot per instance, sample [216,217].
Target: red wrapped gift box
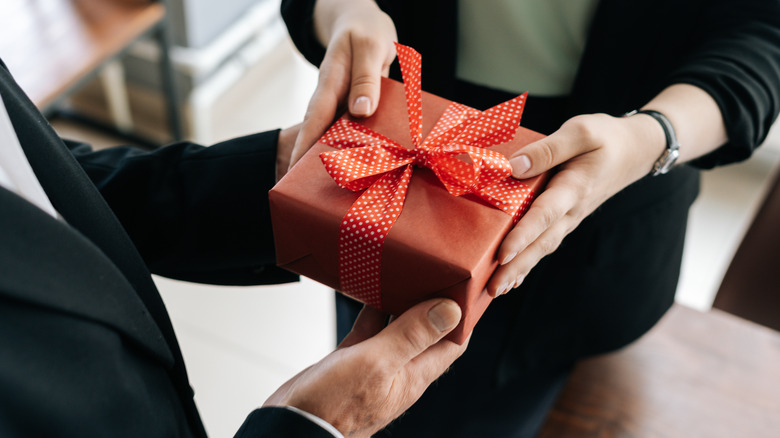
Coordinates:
[440,245]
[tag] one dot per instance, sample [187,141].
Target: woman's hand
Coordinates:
[598,155]
[359,40]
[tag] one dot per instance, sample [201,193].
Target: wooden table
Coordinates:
[694,375]
[52,46]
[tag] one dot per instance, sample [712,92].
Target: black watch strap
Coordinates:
[669,157]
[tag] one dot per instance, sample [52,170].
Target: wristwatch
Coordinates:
[669,157]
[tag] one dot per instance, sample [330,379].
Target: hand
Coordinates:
[359,39]
[377,372]
[284,148]
[599,155]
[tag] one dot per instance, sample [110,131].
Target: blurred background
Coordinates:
[236,72]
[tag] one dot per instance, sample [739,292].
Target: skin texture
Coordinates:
[378,371]
[595,155]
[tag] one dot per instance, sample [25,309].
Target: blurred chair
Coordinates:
[53,46]
[751,286]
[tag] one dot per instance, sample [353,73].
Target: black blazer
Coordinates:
[86,345]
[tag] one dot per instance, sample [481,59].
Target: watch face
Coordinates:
[665,163]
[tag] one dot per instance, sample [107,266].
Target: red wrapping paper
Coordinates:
[440,245]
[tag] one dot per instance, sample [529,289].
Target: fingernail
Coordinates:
[502,290]
[520,165]
[361,106]
[518,281]
[508,258]
[444,316]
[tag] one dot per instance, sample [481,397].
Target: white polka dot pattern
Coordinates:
[366,160]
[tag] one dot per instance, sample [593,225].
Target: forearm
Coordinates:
[330,15]
[195,213]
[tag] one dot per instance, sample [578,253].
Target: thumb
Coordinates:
[417,329]
[542,155]
[369,322]
[370,62]
[535,158]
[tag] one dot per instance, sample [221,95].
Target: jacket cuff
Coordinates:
[280,422]
[298,15]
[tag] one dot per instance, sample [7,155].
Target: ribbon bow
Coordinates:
[366,160]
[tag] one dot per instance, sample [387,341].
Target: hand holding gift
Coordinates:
[456,210]
[359,37]
[414,355]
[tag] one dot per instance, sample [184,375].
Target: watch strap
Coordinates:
[669,157]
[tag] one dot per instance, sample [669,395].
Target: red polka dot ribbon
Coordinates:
[368,161]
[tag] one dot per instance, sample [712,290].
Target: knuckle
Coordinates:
[363,39]
[588,128]
[547,245]
[545,154]
[581,128]
[365,80]
[548,216]
[376,369]
[419,339]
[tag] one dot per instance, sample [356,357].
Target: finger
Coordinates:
[547,209]
[572,139]
[369,322]
[319,116]
[322,108]
[416,330]
[369,62]
[432,363]
[512,275]
[284,149]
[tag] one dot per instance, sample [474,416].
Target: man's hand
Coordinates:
[359,40]
[378,372]
[284,148]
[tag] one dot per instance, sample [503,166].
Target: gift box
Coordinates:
[371,210]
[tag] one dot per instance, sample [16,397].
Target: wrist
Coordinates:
[648,140]
[317,420]
[329,15]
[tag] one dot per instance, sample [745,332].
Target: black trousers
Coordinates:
[606,285]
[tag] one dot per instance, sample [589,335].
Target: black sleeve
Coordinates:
[195,213]
[737,61]
[279,423]
[299,17]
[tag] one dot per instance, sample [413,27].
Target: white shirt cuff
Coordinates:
[317,420]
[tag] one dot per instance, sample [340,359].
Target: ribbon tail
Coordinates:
[362,234]
[509,195]
[411,64]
